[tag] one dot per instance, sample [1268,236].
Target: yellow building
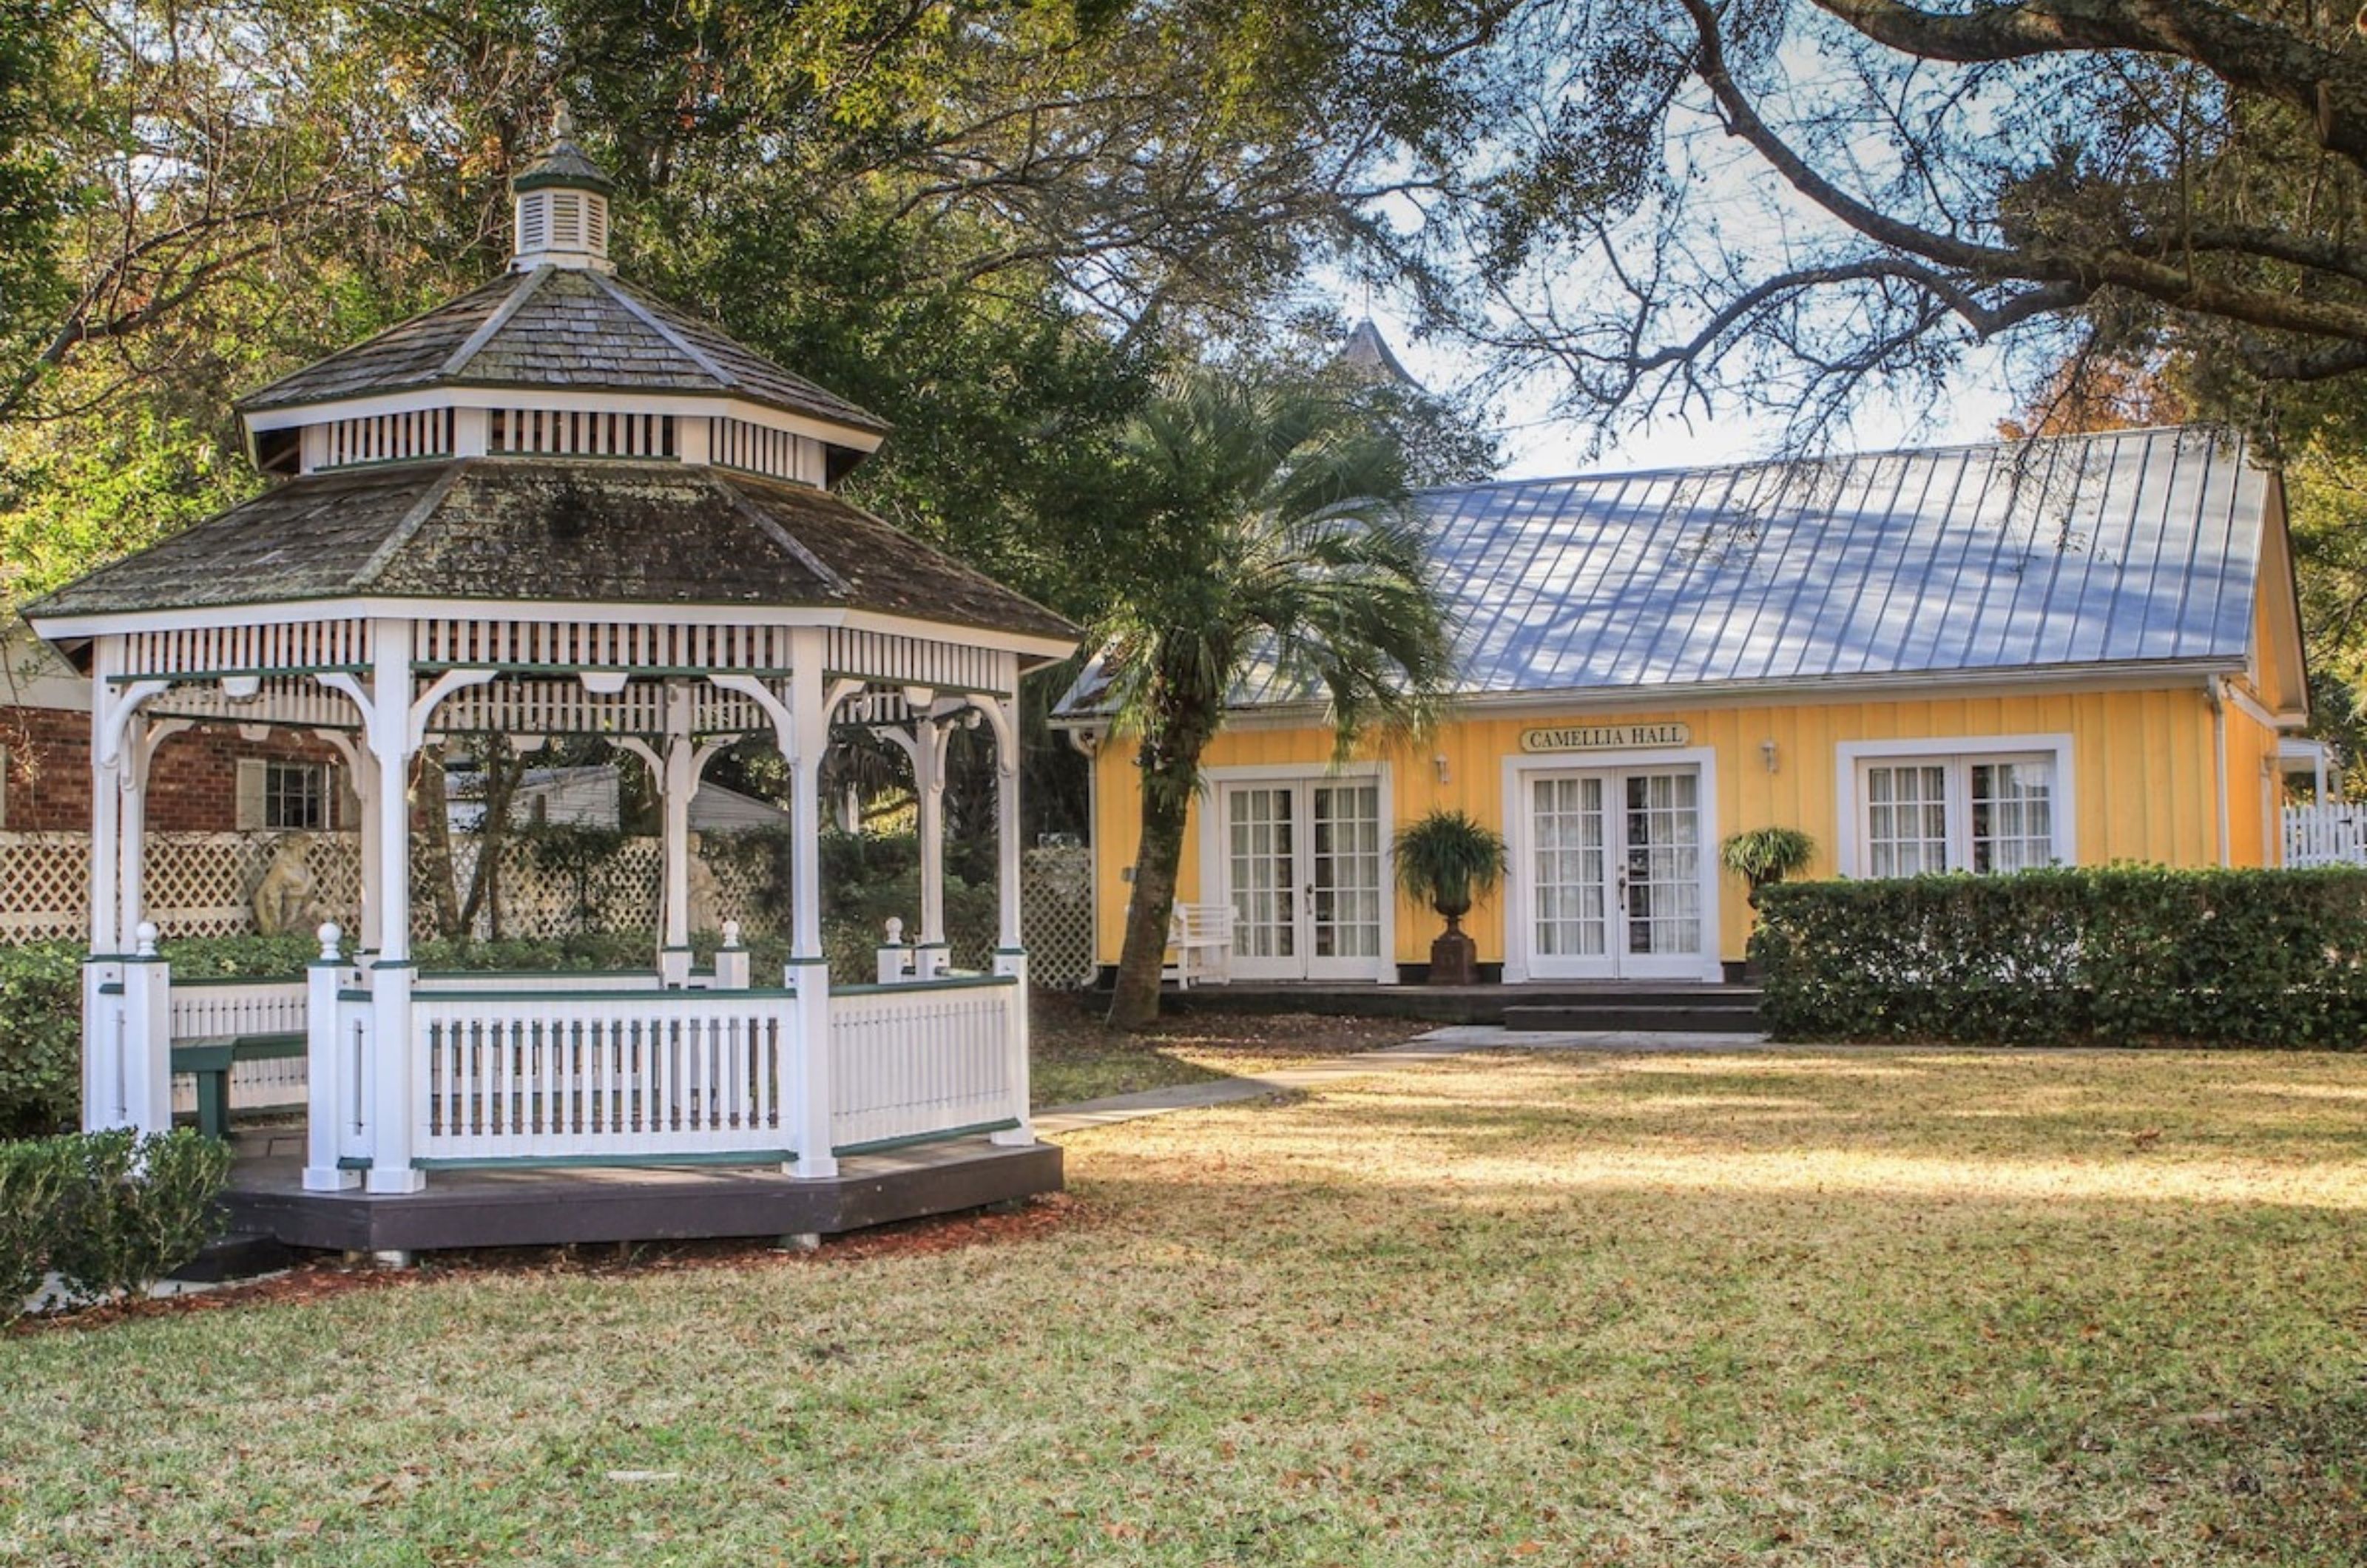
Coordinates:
[2068,651]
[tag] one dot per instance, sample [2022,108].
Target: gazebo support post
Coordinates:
[102,1039]
[807,739]
[391,1046]
[1010,956]
[131,849]
[677,781]
[924,747]
[363,770]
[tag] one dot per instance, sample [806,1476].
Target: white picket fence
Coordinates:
[2334,834]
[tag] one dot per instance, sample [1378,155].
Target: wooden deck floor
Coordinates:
[542,1208]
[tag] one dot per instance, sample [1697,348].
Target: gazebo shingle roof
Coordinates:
[518,529]
[559,328]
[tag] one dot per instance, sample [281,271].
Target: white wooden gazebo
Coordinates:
[556,506]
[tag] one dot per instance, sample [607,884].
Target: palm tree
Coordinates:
[1277,546]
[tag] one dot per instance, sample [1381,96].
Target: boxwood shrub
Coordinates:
[2118,956]
[109,1213]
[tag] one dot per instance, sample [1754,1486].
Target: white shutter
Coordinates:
[250,794]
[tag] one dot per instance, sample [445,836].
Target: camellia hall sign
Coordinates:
[1603,736]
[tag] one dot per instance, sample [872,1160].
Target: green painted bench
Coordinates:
[210,1061]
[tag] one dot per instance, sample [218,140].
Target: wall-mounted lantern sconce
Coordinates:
[1438,764]
[1767,750]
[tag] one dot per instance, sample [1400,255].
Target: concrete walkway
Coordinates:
[1438,1045]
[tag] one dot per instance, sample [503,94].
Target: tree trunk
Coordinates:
[1134,1001]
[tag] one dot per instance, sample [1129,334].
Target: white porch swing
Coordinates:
[558,506]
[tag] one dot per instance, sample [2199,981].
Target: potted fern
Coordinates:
[1766,855]
[1446,860]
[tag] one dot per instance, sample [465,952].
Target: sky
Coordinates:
[1538,443]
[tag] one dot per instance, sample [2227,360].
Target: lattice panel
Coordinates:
[1056,904]
[286,645]
[195,883]
[203,884]
[47,880]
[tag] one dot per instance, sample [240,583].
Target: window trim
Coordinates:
[1852,757]
[325,783]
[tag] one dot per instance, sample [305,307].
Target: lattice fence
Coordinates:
[196,884]
[1055,901]
[204,885]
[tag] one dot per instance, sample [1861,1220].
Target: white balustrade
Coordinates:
[210,1010]
[545,1074]
[922,1058]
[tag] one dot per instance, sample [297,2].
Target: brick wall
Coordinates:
[192,783]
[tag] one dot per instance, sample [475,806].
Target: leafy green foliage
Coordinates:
[1765,856]
[1277,542]
[110,1212]
[1447,858]
[41,1037]
[2121,956]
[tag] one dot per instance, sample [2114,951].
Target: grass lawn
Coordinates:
[1076,1057]
[1802,1307]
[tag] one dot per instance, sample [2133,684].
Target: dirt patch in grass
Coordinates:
[1078,1057]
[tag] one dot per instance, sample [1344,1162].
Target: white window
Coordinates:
[1921,809]
[278,796]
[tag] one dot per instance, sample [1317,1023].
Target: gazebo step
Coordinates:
[559,1207]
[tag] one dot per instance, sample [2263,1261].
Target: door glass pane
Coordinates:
[1662,863]
[1258,830]
[2013,808]
[1345,872]
[1906,818]
[1568,829]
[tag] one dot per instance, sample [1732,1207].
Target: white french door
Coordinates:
[1302,864]
[1615,874]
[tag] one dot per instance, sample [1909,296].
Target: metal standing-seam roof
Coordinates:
[2125,546]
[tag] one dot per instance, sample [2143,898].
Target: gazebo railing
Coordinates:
[590,1075]
[924,1059]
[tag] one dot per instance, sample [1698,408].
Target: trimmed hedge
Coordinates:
[2115,956]
[109,1213]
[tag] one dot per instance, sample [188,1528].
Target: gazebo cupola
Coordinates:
[561,203]
[561,506]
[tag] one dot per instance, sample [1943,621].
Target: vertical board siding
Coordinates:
[2142,771]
